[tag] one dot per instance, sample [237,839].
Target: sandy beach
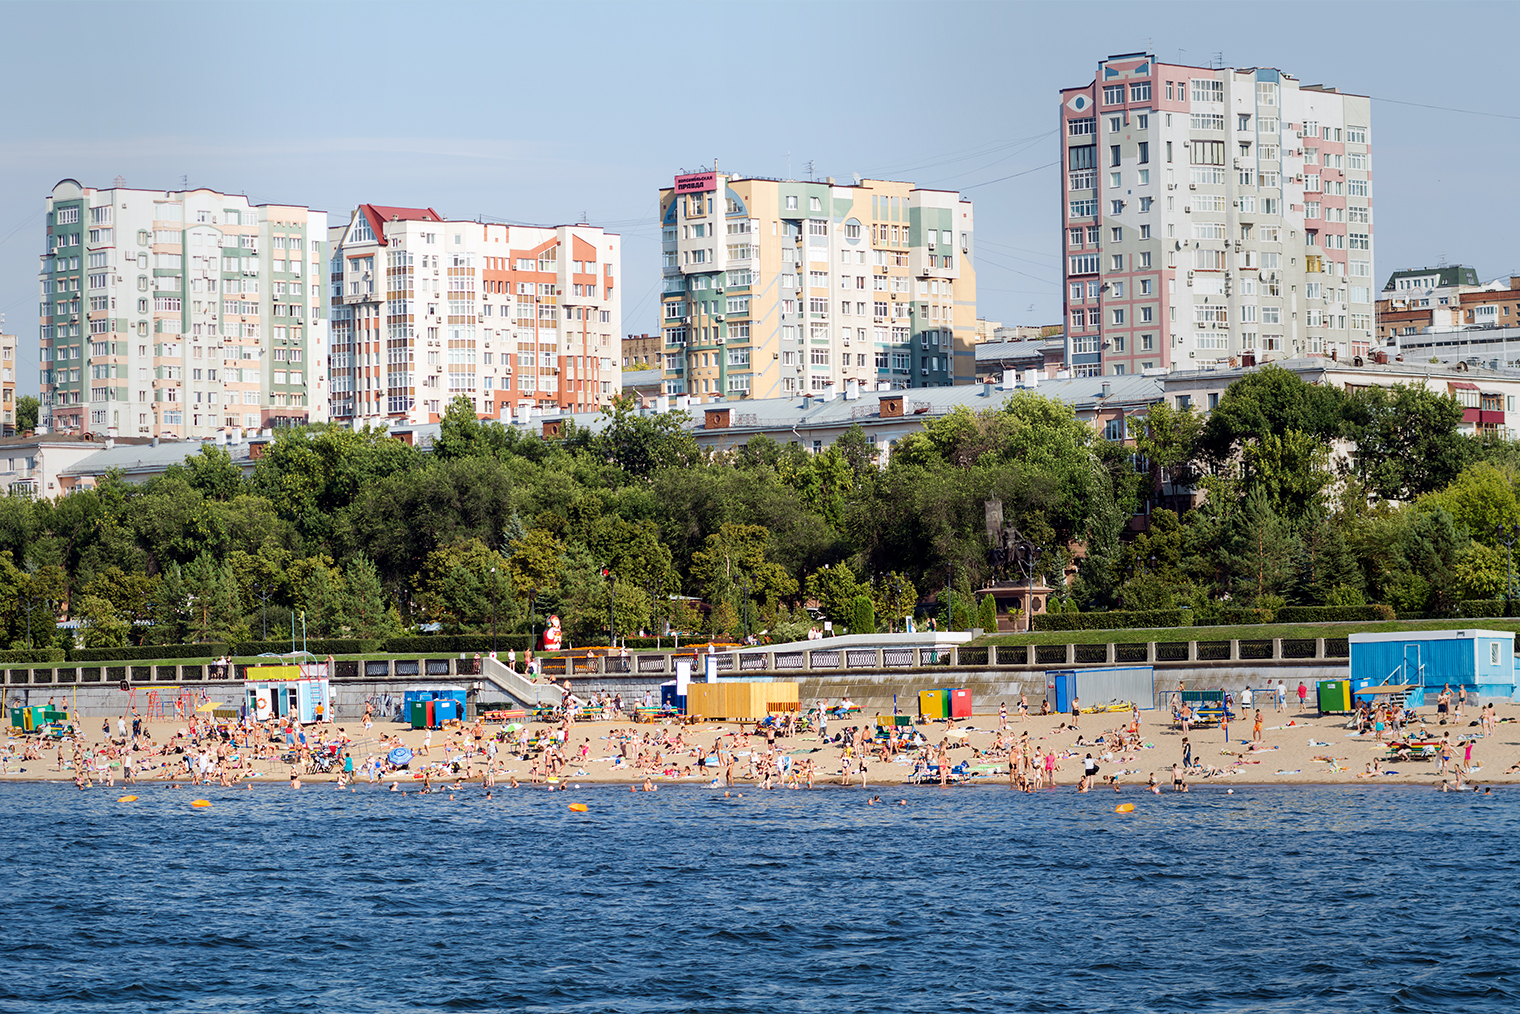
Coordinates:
[1295,747]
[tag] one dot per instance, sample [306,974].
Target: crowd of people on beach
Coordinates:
[789,750]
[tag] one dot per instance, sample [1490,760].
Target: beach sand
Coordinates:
[1296,747]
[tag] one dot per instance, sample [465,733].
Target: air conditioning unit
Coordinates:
[1192,186]
[1187,209]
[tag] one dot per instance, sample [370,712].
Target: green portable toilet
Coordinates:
[934,703]
[17,718]
[419,714]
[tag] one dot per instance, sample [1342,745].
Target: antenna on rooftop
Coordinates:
[1441,261]
[184,182]
[119,182]
[809,167]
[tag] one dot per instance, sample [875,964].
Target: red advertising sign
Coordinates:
[696,183]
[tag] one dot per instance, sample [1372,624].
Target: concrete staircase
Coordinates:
[522,690]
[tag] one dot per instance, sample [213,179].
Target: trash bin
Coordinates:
[934,703]
[419,714]
[1334,697]
[960,703]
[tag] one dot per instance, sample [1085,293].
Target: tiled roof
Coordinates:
[379,213]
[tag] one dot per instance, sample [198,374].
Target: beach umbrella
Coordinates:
[513,726]
[400,756]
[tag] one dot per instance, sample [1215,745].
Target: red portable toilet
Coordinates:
[960,704]
[432,718]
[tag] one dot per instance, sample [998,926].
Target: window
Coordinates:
[1206,121]
[1144,152]
[1266,93]
[1081,128]
[1207,90]
[1208,153]
[1085,264]
[1356,135]
[1140,92]
[791,203]
[1113,95]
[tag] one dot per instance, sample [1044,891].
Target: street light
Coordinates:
[493,612]
[264,610]
[746,609]
[1509,535]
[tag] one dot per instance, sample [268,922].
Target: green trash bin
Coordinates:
[419,714]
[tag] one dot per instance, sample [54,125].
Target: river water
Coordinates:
[975,900]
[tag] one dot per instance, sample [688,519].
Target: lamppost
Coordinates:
[264,609]
[1029,558]
[1509,535]
[746,609]
[493,612]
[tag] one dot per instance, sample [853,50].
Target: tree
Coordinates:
[370,612]
[986,614]
[101,627]
[458,583]
[734,557]
[26,413]
[835,589]
[1406,439]
[1290,469]
[862,616]
[1166,438]
[895,599]
[1479,500]
[1265,401]
[1262,554]
[533,562]
[642,444]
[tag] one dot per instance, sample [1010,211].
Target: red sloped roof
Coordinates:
[376,214]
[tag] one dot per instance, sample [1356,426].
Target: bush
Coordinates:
[30,656]
[323,646]
[1117,620]
[1341,614]
[454,644]
[1233,615]
[1482,607]
[151,651]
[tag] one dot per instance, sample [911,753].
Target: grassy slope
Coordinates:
[1244,632]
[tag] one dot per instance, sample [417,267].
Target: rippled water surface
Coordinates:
[1303,899]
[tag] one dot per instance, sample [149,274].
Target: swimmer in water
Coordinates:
[649,785]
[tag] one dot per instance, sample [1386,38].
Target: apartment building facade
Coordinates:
[512,317]
[179,313]
[7,385]
[1211,216]
[772,288]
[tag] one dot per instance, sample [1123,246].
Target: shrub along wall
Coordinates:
[1333,614]
[1117,620]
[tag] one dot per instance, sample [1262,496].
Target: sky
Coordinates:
[548,113]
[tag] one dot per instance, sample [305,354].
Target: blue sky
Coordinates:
[541,113]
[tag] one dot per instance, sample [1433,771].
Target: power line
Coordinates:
[1000,179]
[1447,109]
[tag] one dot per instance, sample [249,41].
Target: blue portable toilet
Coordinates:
[1427,660]
[445,710]
[434,694]
[670,699]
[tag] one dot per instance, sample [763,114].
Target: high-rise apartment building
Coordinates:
[1212,215]
[426,310]
[179,313]
[8,385]
[777,287]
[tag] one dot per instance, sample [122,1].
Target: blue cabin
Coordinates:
[1427,660]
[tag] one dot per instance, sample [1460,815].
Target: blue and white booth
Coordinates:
[1424,661]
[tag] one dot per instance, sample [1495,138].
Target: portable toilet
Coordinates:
[670,699]
[417,713]
[934,703]
[960,703]
[446,710]
[1425,661]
